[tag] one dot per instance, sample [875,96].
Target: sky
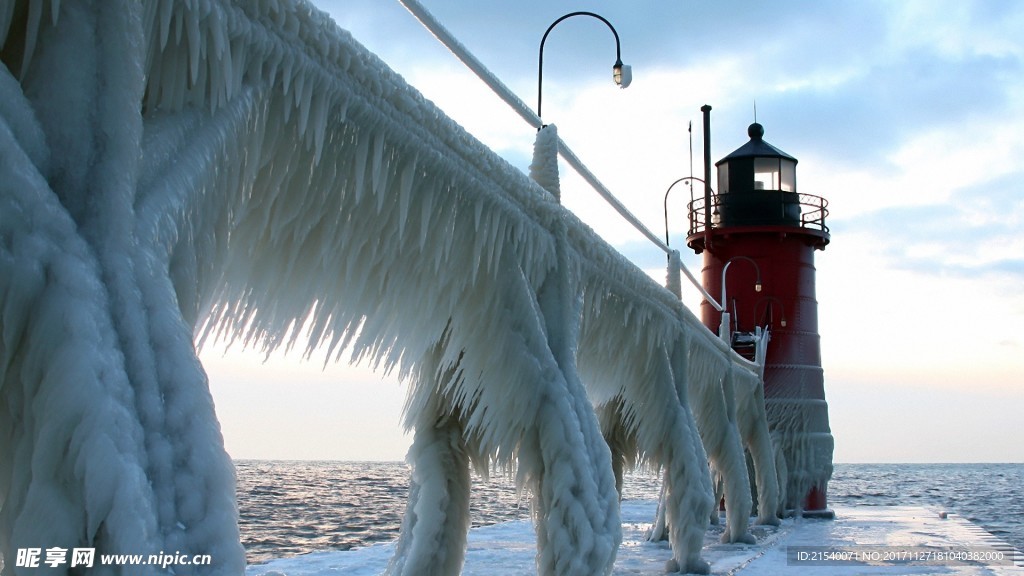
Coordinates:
[907,116]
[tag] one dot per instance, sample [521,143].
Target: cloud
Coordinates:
[851,78]
[864,119]
[974,234]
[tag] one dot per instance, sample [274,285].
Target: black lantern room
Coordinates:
[757,185]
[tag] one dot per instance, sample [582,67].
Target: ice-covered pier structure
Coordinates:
[173,171]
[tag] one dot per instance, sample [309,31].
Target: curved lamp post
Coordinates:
[724,328]
[621,73]
[670,186]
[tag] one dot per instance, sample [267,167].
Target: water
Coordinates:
[990,495]
[290,508]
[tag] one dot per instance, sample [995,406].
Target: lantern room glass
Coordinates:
[788,175]
[774,174]
[766,173]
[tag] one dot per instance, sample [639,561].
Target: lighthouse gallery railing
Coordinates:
[812,210]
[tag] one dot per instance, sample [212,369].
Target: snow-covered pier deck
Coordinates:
[889,540]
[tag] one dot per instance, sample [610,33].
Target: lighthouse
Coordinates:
[758,236]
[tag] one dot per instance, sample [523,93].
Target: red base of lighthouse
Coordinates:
[787,307]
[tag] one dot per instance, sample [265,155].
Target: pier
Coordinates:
[860,540]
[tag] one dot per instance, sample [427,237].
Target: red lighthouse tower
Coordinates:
[758,236]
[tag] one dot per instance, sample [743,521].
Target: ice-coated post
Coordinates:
[725,328]
[673,277]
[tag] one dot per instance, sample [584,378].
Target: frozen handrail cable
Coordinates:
[517,104]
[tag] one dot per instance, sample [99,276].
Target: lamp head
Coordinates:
[757,286]
[622,74]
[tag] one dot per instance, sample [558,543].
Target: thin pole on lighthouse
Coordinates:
[706,110]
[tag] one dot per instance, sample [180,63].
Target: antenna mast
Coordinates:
[689,129]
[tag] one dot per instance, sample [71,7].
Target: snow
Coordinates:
[178,173]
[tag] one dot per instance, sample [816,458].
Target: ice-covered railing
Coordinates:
[722,404]
[675,265]
[174,171]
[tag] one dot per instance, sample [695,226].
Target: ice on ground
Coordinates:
[508,548]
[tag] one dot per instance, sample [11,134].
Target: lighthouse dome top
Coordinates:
[755,131]
[756,147]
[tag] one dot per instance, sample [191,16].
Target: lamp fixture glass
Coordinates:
[622,74]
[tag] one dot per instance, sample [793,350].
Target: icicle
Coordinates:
[321,103]
[201,92]
[287,73]
[220,44]
[377,177]
[359,169]
[298,89]
[227,71]
[179,23]
[6,15]
[478,208]
[404,192]
[241,62]
[166,85]
[496,241]
[341,115]
[35,16]
[426,207]
[166,12]
[304,91]
[386,173]
[192,36]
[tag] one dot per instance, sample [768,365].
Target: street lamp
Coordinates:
[724,327]
[670,186]
[622,74]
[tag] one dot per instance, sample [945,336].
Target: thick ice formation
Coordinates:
[177,171]
[111,439]
[752,421]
